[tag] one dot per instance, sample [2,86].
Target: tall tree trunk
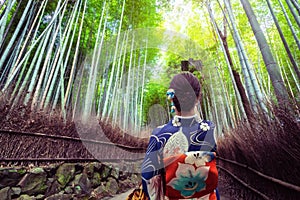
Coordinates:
[119,107]
[143,83]
[253,89]
[296,5]
[290,24]
[213,96]
[237,80]
[112,74]
[16,51]
[36,96]
[65,98]
[272,67]
[128,85]
[137,93]
[3,19]
[115,92]
[231,118]
[3,22]
[21,91]
[37,67]
[15,34]
[288,83]
[240,92]
[288,51]
[296,81]
[296,17]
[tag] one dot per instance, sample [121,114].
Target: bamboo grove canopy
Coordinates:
[114,59]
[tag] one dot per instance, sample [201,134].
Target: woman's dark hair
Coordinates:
[187,90]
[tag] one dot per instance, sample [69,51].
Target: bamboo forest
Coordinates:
[83,84]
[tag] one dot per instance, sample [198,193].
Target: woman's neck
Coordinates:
[186,113]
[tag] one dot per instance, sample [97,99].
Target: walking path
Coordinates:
[122,196]
[125,194]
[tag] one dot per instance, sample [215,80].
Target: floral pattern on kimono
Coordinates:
[177,136]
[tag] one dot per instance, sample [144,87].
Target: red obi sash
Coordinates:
[191,175]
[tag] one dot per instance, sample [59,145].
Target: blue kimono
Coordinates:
[178,136]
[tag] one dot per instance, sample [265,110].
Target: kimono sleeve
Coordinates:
[152,169]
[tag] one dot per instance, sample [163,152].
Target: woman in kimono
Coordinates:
[180,159]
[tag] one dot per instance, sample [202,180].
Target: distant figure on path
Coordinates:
[180,159]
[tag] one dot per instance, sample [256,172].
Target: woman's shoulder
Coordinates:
[170,128]
[165,129]
[206,125]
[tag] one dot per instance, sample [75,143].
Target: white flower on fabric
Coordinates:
[204,126]
[176,122]
[197,157]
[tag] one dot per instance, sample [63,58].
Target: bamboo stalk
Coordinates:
[36,94]
[143,84]
[60,59]
[128,86]
[116,91]
[28,74]
[36,69]
[39,15]
[296,5]
[117,111]
[114,104]
[17,50]
[77,97]
[286,78]
[285,44]
[90,94]
[239,101]
[296,81]
[114,63]
[101,83]
[290,24]
[213,96]
[17,89]
[137,93]
[59,56]
[65,98]
[4,19]
[271,65]
[32,46]
[227,100]
[244,61]
[15,34]
[296,17]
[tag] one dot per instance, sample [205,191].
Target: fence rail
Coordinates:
[253,182]
[75,139]
[27,147]
[230,167]
[244,183]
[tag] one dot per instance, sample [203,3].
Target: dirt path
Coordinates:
[125,194]
[121,196]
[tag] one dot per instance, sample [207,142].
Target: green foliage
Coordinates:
[188,19]
[155,93]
